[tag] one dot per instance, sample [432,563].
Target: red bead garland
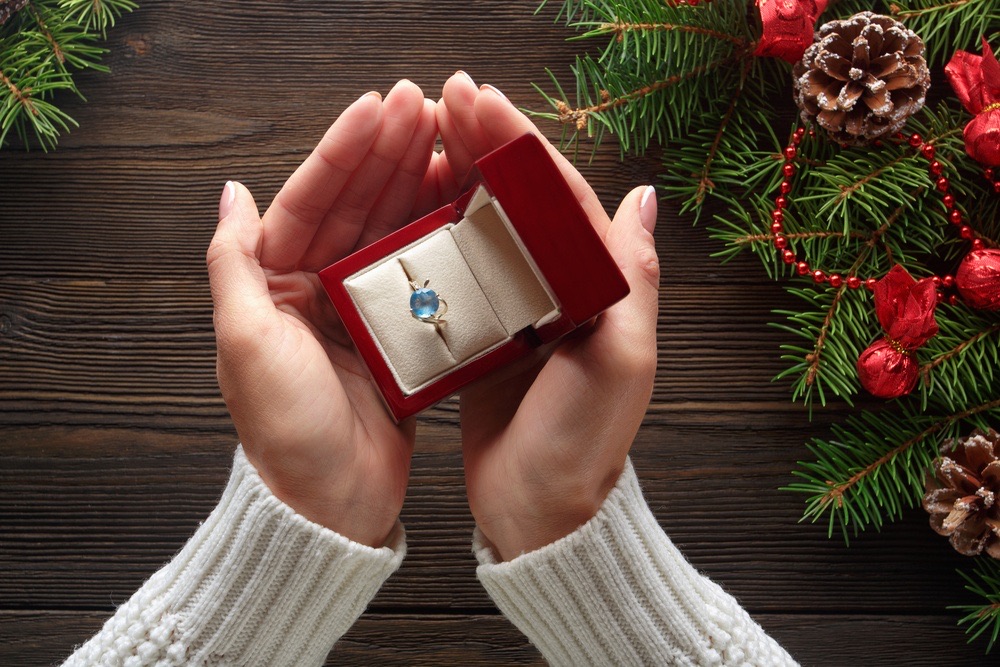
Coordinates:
[941,183]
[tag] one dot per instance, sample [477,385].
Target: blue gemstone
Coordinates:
[424,302]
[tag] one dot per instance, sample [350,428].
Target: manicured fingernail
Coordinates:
[494,89]
[466,75]
[647,209]
[227,199]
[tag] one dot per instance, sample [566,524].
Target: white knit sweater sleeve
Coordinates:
[257,584]
[618,592]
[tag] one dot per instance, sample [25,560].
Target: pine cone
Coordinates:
[10,7]
[862,77]
[963,496]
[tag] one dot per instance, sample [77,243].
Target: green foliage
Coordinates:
[874,465]
[41,47]
[96,15]
[683,77]
[982,618]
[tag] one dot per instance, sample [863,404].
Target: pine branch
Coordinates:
[96,15]
[875,467]
[40,48]
[621,28]
[983,618]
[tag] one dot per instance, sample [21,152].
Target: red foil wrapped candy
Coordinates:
[788,27]
[905,309]
[978,279]
[976,80]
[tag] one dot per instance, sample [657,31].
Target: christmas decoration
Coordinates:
[905,308]
[42,43]
[976,80]
[862,78]
[978,279]
[787,27]
[832,215]
[963,494]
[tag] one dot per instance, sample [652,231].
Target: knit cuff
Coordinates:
[256,584]
[617,591]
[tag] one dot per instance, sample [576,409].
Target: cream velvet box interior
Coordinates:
[480,268]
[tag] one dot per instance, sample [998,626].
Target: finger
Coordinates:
[396,200]
[433,190]
[239,287]
[459,156]
[626,332]
[298,209]
[502,123]
[343,223]
[458,99]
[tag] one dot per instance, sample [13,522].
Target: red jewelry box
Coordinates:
[518,237]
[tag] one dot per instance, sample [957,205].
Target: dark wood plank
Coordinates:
[31,638]
[86,525]
[78,351]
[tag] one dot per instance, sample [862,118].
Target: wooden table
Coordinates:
[116,442]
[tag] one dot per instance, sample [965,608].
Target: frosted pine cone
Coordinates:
[862,77]
[963,497]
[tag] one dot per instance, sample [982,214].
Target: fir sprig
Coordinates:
[96,15]
[40,49]
[874,466]
[983,618]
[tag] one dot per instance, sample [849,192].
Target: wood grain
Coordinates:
[116,442]
[30,639]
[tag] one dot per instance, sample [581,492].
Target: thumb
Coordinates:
[239,288]
[630,242]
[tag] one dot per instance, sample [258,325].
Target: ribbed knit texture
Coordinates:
[618,592]
[256,585]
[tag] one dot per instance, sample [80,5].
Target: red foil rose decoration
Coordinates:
[788,27]
[905,309]
[976,80]
[978,279]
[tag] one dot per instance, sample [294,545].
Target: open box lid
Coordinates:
[553,228]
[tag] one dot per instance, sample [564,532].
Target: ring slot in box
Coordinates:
[514,261]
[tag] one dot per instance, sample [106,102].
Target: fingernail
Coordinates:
[647,209]
[227,199]
[466,75]
[371,93]
[494,89]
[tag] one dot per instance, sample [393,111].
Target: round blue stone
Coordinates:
[424,302]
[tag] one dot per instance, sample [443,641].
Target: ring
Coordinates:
[426,305]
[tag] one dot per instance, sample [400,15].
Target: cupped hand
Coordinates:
[308,416]
[545,443]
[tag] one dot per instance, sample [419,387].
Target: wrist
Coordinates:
[535,520]
[343,503]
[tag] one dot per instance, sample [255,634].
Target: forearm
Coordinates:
[617,591]
[256,584]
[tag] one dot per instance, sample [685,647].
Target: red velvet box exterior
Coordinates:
[554,229]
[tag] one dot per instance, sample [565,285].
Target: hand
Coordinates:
[310,420]
[543,446]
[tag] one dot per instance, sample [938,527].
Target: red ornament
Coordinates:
[887,372]
[978,279]
[905,309]
[788,27]
[976,80]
